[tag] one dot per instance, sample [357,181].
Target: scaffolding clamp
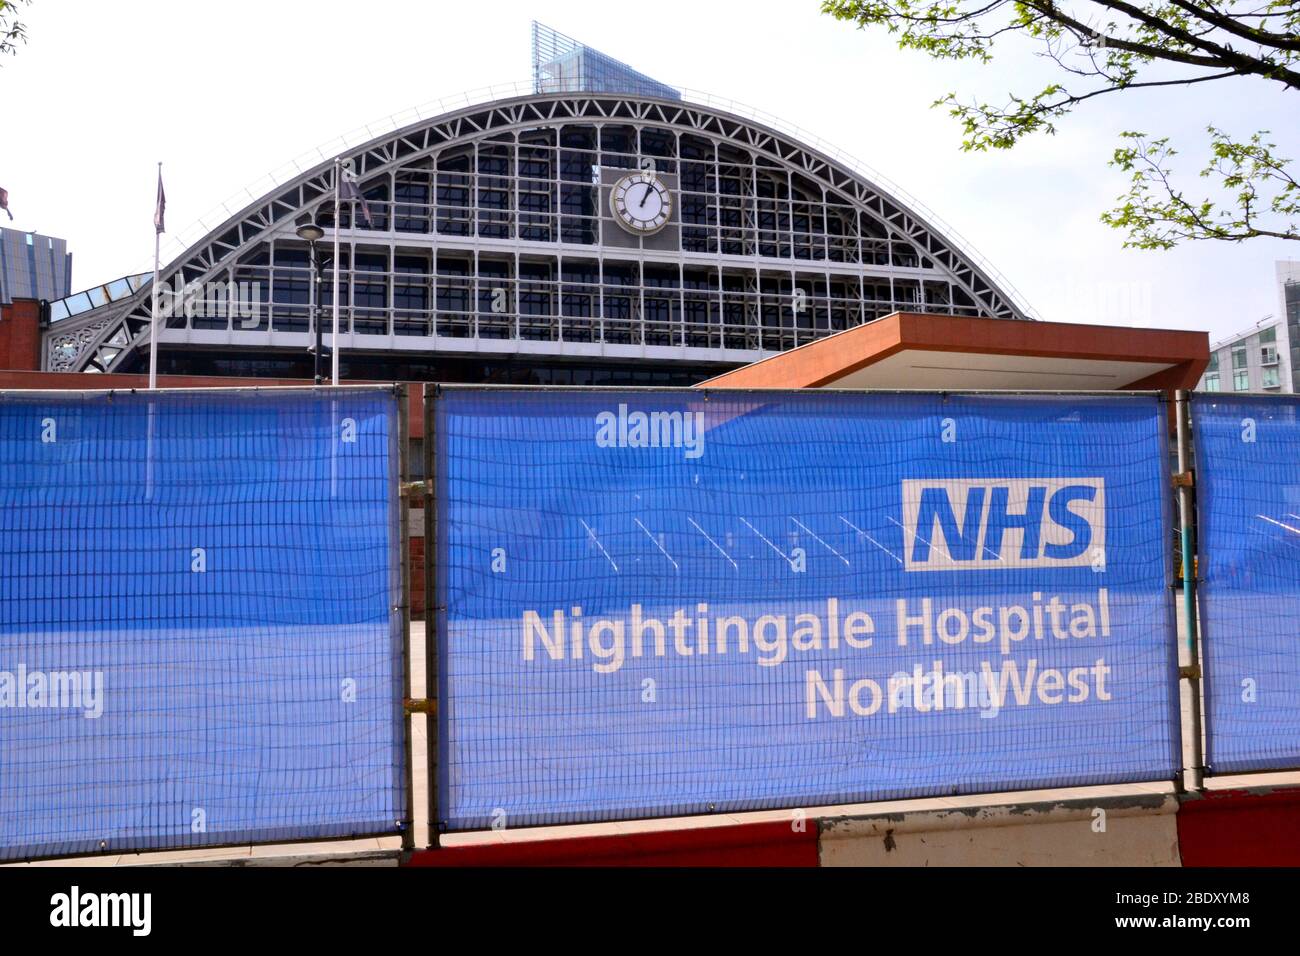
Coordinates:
[416,490]
[1190,672]
[419,705]
[1184,479]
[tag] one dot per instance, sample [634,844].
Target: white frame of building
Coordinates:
[107,338]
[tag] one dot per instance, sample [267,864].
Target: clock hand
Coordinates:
[645,195]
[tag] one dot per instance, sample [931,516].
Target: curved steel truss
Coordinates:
[869,255]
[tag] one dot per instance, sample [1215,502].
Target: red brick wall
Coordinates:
[1258,827]
[20,334]
[417,575]
[748,845]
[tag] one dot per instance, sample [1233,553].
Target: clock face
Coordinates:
[641,203]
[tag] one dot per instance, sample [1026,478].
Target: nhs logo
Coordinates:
[968,524]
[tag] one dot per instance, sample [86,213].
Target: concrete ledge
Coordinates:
[1111,831]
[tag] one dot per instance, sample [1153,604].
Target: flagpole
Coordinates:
[153,319]
[334,341]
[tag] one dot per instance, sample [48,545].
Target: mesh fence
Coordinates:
[677,602]
[1248,517]
[198,642]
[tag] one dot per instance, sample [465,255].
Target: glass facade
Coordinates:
[505,242]
[1291,302]
[1252,361]
[490,232]
[1267,356]
[416,368]
[33,266]
[92,298]
[563,65]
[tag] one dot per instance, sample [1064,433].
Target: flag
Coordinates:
[4,203]
[349,192]
[160,207]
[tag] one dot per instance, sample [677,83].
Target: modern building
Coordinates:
[563,65]
[598,228]
[33,270]
[33,266]
[1266,356]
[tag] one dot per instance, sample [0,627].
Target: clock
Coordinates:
[641,203]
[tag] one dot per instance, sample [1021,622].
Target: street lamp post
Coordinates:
[311,234]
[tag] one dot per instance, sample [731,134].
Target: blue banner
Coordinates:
[198,642]
[1248,521]
[664,602]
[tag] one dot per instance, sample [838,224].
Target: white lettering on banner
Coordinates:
[967,524]
[937,690]
[774,637]
[1006,625]
[611,641]
[661,429]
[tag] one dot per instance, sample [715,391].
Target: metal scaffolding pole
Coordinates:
[1194,775]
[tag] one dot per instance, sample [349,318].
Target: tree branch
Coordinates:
[1226,23]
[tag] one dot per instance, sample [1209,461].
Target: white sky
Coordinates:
[223,94]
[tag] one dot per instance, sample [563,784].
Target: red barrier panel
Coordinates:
[1240,828]
[750,844]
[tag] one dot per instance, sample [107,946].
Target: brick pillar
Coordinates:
[20,335]
[417,577]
